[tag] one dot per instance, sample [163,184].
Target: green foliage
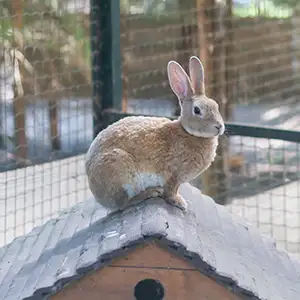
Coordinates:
[57,37]
[265,8]
[287,3]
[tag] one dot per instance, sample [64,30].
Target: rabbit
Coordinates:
[139,157]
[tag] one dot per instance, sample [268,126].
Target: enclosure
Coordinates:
[69,68]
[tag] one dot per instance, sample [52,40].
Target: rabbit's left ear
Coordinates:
[179,81]
[197,75]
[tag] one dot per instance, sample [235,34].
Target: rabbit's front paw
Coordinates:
[178,201]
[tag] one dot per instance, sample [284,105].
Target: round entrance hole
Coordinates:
[149,289]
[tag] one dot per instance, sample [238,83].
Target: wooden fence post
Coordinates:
[230,62]
[185,46]
[52,109]
[54,123]
[212,53]
[125,40]
[19,107]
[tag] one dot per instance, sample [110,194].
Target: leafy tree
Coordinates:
[287,3]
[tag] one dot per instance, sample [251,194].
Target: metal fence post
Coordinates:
[106,60]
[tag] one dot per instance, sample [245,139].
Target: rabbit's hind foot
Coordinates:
[153,192]
[178,201]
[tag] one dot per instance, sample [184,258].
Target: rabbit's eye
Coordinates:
[197,110]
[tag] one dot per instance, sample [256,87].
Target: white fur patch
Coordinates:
[129,188]
[141,182]
[193,132]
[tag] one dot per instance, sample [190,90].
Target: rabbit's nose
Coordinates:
[220,128]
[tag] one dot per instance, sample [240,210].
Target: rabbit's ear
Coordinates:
[179,81]
[197,75]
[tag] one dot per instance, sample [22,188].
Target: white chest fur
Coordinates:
[141,182]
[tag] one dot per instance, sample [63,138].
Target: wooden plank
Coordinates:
[151,256]
[118,283]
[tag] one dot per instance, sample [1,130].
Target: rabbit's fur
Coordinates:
[142,157]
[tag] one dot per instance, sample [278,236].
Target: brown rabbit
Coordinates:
[142,157]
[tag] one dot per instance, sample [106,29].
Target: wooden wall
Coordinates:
[117,281]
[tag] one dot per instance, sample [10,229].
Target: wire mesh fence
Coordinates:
[263,51]
[265,188]
[251,57]
[45,108]
[256,43]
